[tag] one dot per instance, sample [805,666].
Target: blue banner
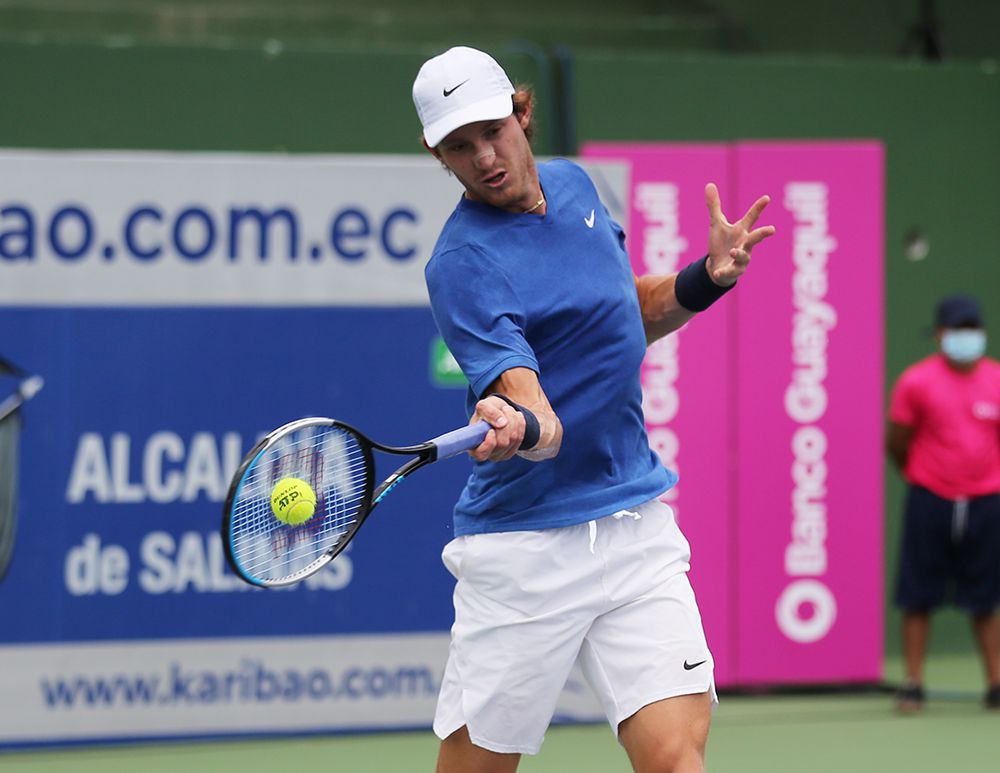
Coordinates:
[127,454]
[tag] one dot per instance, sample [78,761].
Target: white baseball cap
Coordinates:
[459,87]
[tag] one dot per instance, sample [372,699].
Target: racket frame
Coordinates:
[424,454]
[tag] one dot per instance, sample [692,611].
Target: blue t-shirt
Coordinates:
[554,293]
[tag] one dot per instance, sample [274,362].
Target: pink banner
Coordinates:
[769,404]
[808,453]
[686,376]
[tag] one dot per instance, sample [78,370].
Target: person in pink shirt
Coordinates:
[944,434]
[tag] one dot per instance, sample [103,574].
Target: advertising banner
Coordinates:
[145,229]
[774,419]
[809,455]
[178,307]
[184,687]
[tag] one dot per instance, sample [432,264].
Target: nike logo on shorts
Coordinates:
[689,666]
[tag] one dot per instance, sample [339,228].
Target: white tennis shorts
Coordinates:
[612,592]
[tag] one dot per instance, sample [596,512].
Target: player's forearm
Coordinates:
[898,438]
[522,386]
[898,454]
[667,302]
[662,313]
[549,438]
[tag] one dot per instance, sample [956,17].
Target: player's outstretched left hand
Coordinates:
[729,244]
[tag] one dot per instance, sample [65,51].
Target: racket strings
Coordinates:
[333,463]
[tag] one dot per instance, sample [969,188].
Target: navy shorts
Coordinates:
[950,553]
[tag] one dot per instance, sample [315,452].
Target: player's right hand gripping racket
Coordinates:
[336,461]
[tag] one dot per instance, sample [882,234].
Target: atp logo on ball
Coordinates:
[293,501]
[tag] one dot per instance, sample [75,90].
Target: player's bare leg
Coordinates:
[668,736]
[459,755]
[916,633]
[987,631]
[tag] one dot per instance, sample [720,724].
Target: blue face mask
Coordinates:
[963,347]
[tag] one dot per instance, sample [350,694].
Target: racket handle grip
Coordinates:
[459,440]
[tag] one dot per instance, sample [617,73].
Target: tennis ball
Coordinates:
[293,501]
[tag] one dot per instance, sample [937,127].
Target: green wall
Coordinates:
[958,29]
[303,99]
[939,125]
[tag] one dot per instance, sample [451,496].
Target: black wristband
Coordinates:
[695,289]
[532,430]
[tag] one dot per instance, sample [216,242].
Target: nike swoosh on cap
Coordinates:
[449,92]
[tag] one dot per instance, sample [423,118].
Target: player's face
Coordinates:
[493,160]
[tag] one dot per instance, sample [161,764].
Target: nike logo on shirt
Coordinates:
[589,220]
[689,666]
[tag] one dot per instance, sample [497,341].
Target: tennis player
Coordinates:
[562,549]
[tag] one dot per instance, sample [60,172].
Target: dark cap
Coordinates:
[958,311]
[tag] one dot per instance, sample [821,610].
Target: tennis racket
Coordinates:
[337,462]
